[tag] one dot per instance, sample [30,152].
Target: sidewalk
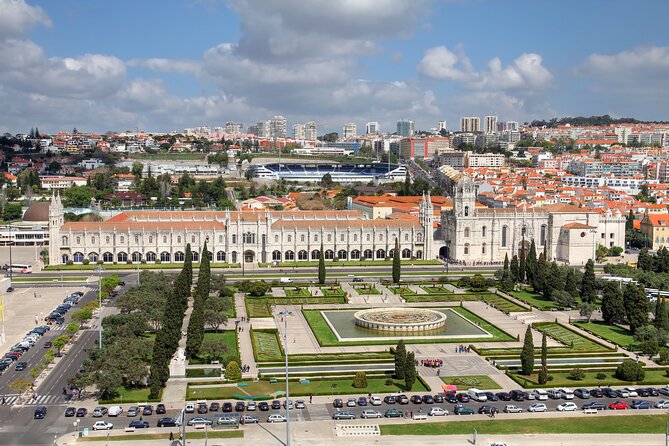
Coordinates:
[244,338]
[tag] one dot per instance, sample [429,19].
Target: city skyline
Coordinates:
[98,67]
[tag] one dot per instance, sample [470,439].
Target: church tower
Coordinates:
[464,200]
[56,221]
[426,216]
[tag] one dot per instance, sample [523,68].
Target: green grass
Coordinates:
[111,266]
[332,292]
[227,336]
[135,395]
[166,436]
[265,390]
[326,338]
[331,263]
[496,301]
[364,290]
[402,290]
[266,346]
[534,299]
[261,306]
[297,292]
[482,382]
[637,424]
[568,337]
[257,307]
[613,333]
[561,379]
[203,373]
[436,289]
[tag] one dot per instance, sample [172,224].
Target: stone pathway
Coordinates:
[244,338]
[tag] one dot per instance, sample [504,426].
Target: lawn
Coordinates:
[568,337]
[261,306]
[266,346]
[257,307]
[203,373]
[534,299]
[297,292]
[227,336]
[613,333]
[482,382]
[265,390]
[438,289]
[401,290]
[134,395]
[335,291]
[561,379]
[637,424]
[166,436]
[367,290]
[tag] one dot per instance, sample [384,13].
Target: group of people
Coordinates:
[245,368]
[433,363]
[462,349]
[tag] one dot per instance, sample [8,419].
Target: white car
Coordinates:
[623,393]
[437,412]
[567,407]
[115,411]
[102,425]
[370,413]
[351,402]
[251,405]
[511,408]
[632,391]
[537,407]
[375,401]
[662,404]
[299,404]
[276,418]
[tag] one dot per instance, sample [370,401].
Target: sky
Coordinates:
[166,65]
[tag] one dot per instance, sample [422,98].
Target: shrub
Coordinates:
[360,380]
[157,262]
[390,382]
[577,374]
[70,262]
[100,262]
[664,356]
[86,262]
[630,370]
[233,372]
[600,375]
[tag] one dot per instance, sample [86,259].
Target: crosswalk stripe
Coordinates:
[42,400]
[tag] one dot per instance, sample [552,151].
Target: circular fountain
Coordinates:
[400,319]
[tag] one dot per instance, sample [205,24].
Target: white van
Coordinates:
[115,411]
[190,408]
[566,394]
[540,395]
[477,395]
[286,280]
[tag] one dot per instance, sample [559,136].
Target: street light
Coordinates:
[285,314]
[99,270]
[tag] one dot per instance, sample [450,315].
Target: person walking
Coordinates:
[171,436]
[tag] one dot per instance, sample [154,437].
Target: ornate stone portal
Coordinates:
[400,319]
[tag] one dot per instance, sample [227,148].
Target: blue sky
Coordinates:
[100,65]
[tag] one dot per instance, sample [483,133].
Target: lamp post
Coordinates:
[285,314]
[11,242]
[594,245]
[99,270]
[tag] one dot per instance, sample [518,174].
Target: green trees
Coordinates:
[254,288]
[216,311]
[543,373]
[586,309]
[531,262]
[570,285]
[233,372]
[321,266]
[588,285]
[196,322]
[515,270]
[410,371]
[661,315]
[636,306]
[506,282]
[397,265]
[400,359]
[645,261]
[522,263]
[527,354]
[360,380]
[630,370]
[613,308]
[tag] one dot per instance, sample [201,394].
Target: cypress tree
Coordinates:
[407,185]
[645,261]
[196,321]
[543,373]
[522,265]
[588,290]
[515,271]
[397,265]
[636,306]
[531,262]
[527,354]
[507,281]
[188,265]
[400,360]
[553,282]
[540,274]
[661,316]
[570,285]
[321,266]
[410,371]
[613,308]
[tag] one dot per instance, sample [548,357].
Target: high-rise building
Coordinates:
[405,128]
[512,126]
[490,124]
[441,126]
[470,124]
[263,129]
[372,128]
[278,127]
[310,131]
[233,127]
[350,130]
[298,131]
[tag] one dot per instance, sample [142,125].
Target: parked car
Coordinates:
[48,344]
[491,396]
[428,399]
[200,421]
[81,412]
[240,406]
[389,399]
[99,411]
[167,422]
[21,366]
[437,411]
[160,408]
[512,408]
[519,395]
[299,404]
[596,393]
[584,394]
[462,397]
[438,398]
[115,411]
[610,393]
[288,404]
[263,406]
[139,424]
[618,405]
[416,399]
[537,407]
[623,393]
[338,403]
[362,401]
[351,402]
[227,406]
[213,407]
[276,404]
[394,413]
[189,408]
[202,408]
[70,412]
[641,404]
[371,413]
[567,407]
[459,409]
[451,398]
[597,405]
[251,405]
[375,401]
[148,410]
[402,399]
[646,392]
[133,411]
[102,425]
[503,396]
[631,392]
[276,418]
[662,404]
[486,409]
[249,419]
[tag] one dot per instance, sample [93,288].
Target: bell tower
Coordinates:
[464,200]
[56,221]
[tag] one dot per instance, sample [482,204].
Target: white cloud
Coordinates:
[441,63]
[640,66]
[183,66]
[16,16]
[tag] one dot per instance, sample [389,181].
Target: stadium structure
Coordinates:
[340,173]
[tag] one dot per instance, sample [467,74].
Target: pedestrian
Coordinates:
[311,399]
[171,436]
[412,414]
[140,418]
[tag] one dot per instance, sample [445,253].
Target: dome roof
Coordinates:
[37,212]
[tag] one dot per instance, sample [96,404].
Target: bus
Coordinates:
[18,268]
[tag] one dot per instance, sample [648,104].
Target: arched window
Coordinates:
[234,256]
[290,255]
[150,256]
[303,255]
[380,254]
[136,257]
[179,256]
[196,256]
[484,231]
[64,258]
[65,241]
[504,230]
[483,246]
[355,255]
[406,237]
[93,257]
[419,237]
[466,232]
[466,248]
[391,253]
[342,254]
[290,238]
[329,254]
[78,240]
[406,253]
[276,255]
[122,257]
[342,237]
[210,255]
[276,238]
[315,254]
[122,239]
[543,235]
[234,238]
[165,256]
[150,239]
[419,254]
[93,239]
[355,237]
[249,237]
[369,237]
[220,256]
[164,239]
[466,211]
[107,257]
[78,257]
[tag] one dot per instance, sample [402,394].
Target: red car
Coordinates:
[618,405]
[48,344]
